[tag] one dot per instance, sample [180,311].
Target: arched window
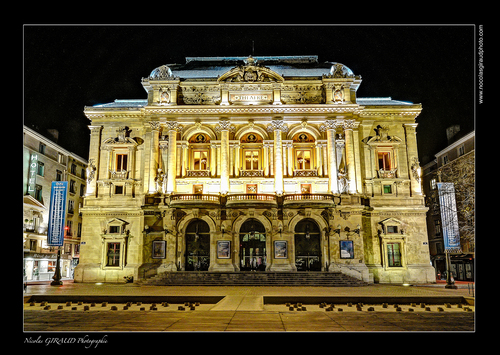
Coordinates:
[199,165]
[303,156]
[251,155]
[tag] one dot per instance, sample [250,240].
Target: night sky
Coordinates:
[69,67]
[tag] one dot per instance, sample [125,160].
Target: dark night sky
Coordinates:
[69,67]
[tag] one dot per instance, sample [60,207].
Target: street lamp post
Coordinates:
[57,275]
[449,282]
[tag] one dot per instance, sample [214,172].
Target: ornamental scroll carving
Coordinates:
[277,125]
[224,125]
[173,126]
[250,72]
[330,124]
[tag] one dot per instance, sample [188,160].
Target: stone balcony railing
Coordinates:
[251,199]
[119,174]
[317,200]
[387,174]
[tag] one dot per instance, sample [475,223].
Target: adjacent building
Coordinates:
[455,164]
[43,162]
[258,164]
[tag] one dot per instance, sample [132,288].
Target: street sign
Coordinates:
[57,213]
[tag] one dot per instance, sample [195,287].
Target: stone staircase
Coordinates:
[204,278]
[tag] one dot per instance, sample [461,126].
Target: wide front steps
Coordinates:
[205,278]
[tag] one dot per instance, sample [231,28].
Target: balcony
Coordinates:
[308,200]
[305,173]
[119,174]
[194,200]
[387,174]
[251,200]
[198,173]
[252,173]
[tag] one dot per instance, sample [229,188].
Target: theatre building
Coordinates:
[263,164]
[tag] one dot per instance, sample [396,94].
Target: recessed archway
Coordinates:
[197,238]
[307,239]
[253,249]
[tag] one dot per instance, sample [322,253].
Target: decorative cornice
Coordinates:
[245,109]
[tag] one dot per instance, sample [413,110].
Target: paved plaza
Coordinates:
[159,308]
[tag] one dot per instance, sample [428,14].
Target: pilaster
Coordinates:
[278,126]
[172,128]
[224,126]
[92,172]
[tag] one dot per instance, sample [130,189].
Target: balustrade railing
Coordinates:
[195,197]
[252,197]
[301,197]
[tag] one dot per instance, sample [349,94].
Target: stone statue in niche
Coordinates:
[343,182]
[164,96]
[338,93]
[91,170]
[415,169]
[160,181]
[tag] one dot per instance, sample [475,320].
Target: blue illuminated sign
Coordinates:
[57,213]
[449,217]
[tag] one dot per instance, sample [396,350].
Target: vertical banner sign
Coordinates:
[449,217]
[57,213]
[32,174]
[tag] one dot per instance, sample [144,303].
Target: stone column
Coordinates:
[153,155]
[349,151]
[94,153]
[236,159]
[231,159]
[319,160]
[265,160]
[213,159]
[289,147]
[278,126]
[224,126]
[164,161]
[284,161]
[172,128]
[185,150]
[330,127]
[412,158]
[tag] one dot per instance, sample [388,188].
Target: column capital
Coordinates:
[350,124]
[277,124]
[330,123]
[173,126]
[155,125]
[224,125]
[94,129]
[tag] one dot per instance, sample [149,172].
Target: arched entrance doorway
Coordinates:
[197,256]
[307,246]
[252,246]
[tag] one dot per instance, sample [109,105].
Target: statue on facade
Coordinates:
[160,181]
[343,182]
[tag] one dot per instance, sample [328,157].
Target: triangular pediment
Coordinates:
[117,221]
[391,222]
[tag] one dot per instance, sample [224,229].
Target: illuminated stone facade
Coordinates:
[265,164]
